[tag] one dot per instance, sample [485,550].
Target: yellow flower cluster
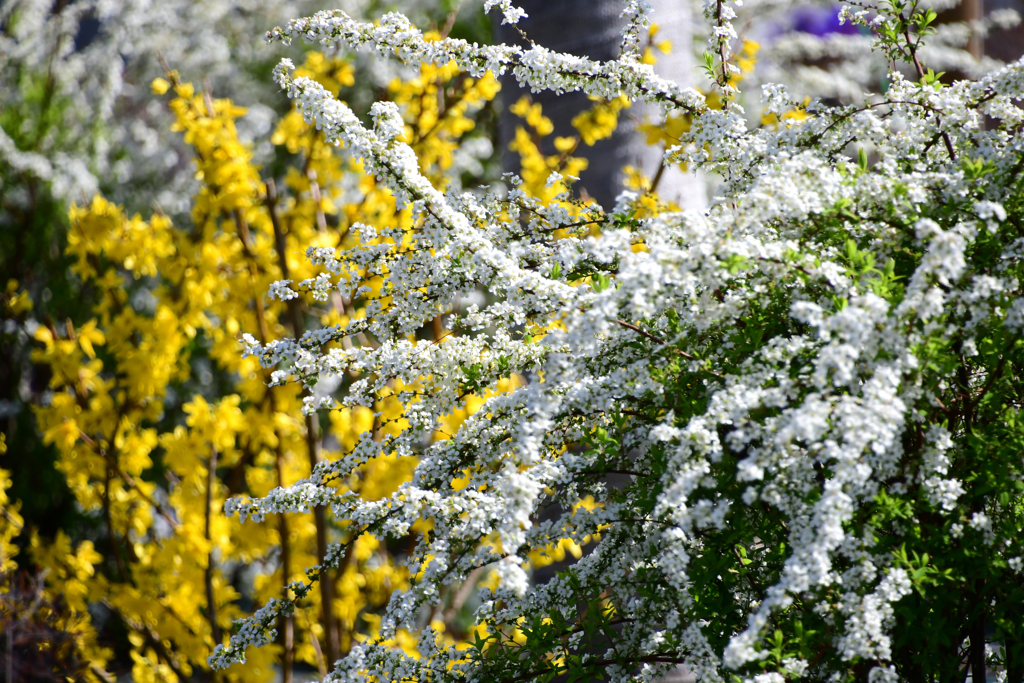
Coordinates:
[158,419]
[601,120]
[15,302]
[435,106]
[11,522]
[63,565]
[663,46]
[536,167]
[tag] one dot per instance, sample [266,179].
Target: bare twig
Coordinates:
[211,602]
[920,72]
[312,424]
[660,341]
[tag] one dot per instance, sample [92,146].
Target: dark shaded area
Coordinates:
[35,644]
[1007,45]
[588,28]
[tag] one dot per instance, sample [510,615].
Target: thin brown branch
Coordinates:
[287,633]
[288,627]
[211,601]
[920,72]
[461,595]
[314,189]
[115,545]
[312,429]
[660,341]
[642,332]
[658,176]
[127,478]
[321,665]
[725,64]
[152,639]
[100,673]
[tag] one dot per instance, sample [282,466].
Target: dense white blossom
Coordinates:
[510,14]
[757,388]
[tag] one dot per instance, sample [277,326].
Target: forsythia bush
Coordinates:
[173,300]
[786,432]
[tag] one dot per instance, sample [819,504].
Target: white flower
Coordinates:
[282,291]
[509,12]
[883,674]
[797,667]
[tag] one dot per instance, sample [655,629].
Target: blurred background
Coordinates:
[78,118]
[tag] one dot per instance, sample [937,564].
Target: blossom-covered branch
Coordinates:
[771,424]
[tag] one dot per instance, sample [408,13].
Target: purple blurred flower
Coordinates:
[821,21]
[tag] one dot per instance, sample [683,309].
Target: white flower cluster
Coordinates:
[755,385]
[818,58]
[255,632]
[537,67]
[510,13]
[871,616]
[99,56]
[637,19]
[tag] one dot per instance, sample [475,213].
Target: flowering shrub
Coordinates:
[154,383]
[786,432]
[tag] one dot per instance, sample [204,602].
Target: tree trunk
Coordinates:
[591,28]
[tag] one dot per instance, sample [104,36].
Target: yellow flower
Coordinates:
[159,86]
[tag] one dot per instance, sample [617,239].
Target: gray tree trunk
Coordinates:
[591,28]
